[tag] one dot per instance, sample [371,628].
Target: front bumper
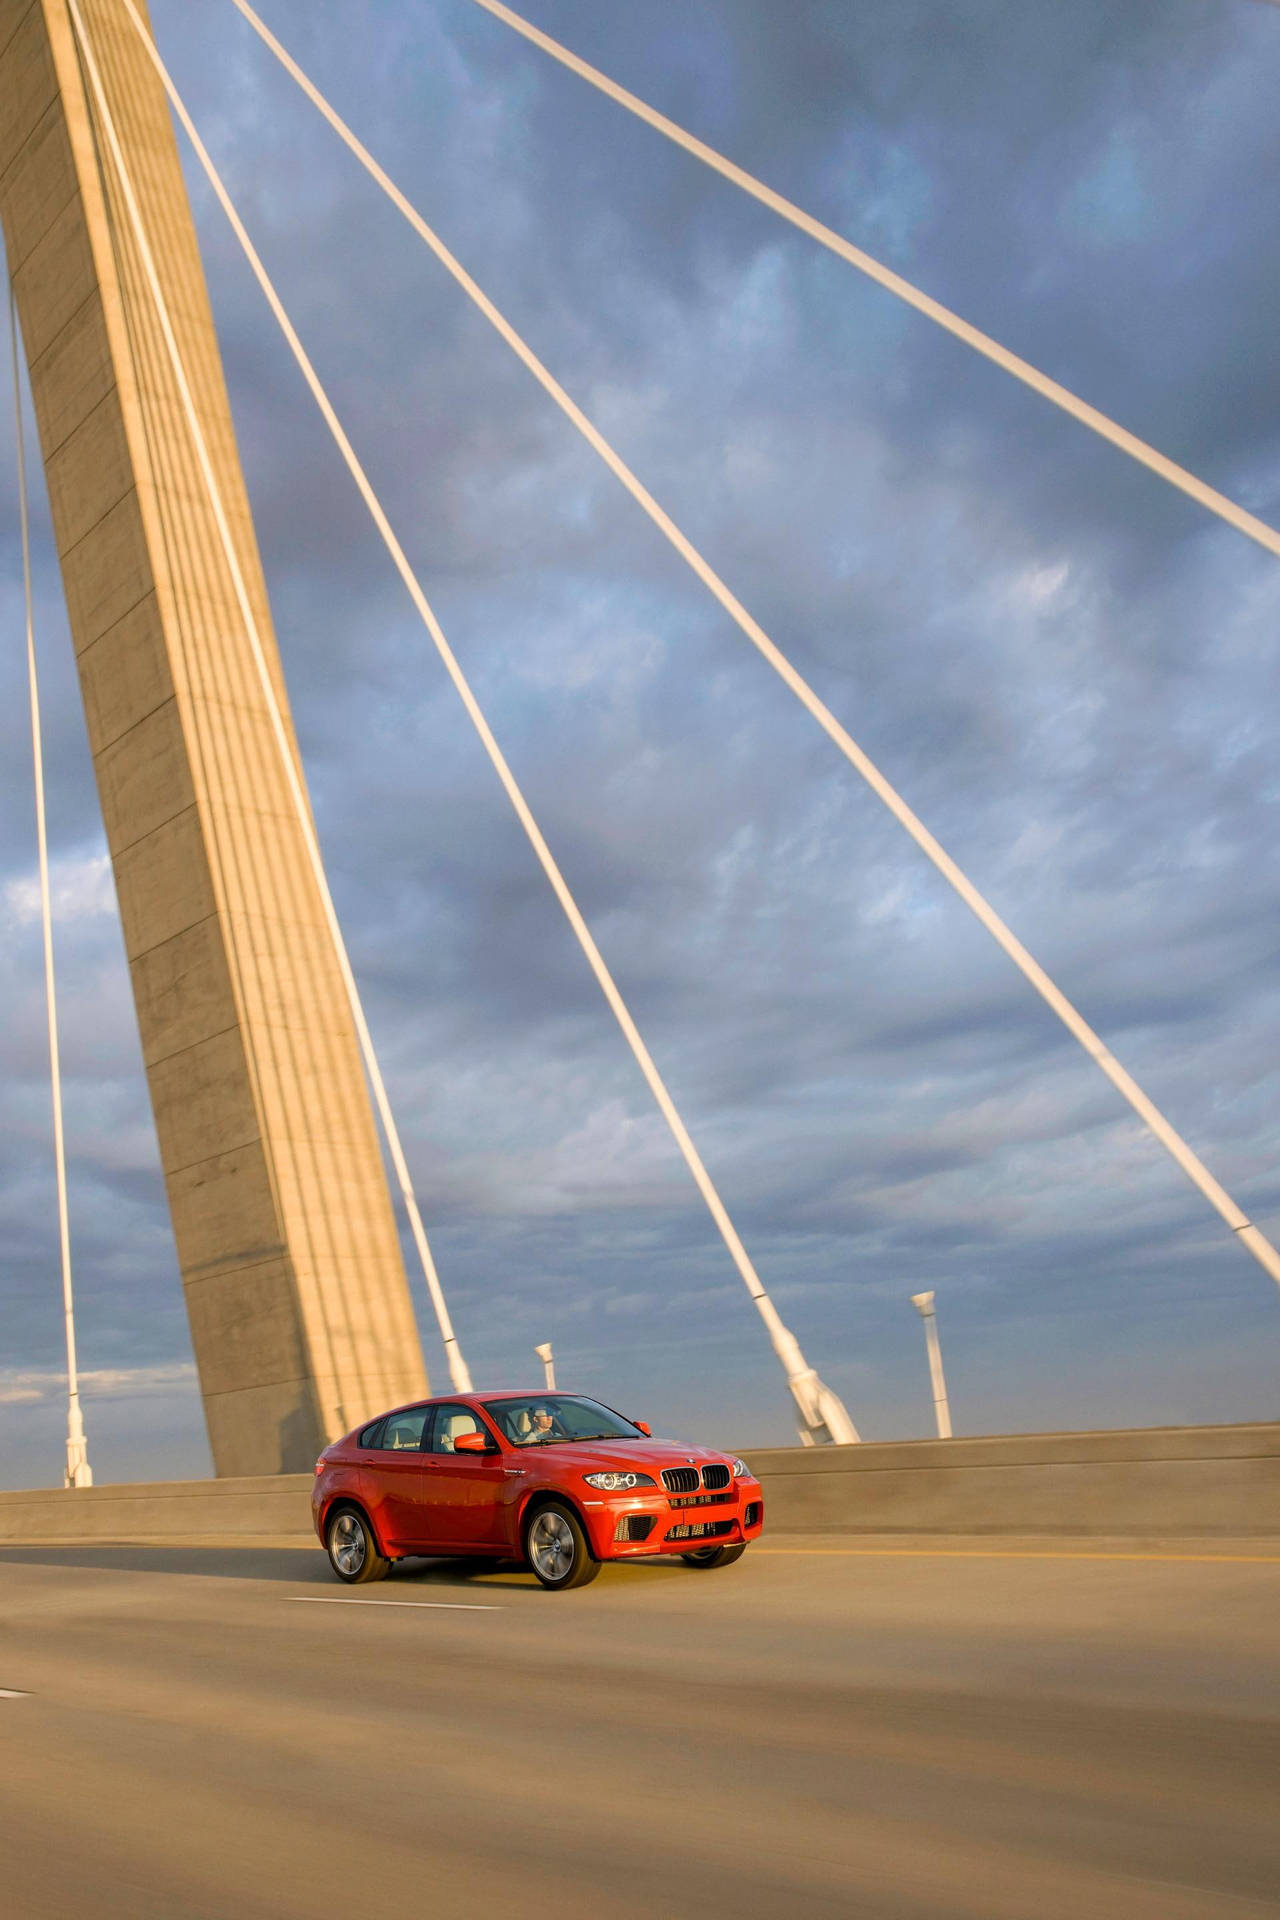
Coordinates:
[630,1526]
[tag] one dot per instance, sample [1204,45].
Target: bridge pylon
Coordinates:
[295,1288]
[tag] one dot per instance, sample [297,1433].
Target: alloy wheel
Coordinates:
[551,1546]
[348,1545]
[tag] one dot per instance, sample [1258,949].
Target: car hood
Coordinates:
[626,1456]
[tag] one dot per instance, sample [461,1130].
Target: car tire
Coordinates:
[556,1547]
[714,1556]
[352,1549]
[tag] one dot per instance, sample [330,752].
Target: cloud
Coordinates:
[78,889]
[21,1386]
[1065,667]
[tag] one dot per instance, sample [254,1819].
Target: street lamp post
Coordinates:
[548,1364]
[923,1304]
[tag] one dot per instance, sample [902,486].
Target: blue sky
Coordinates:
[1069,671]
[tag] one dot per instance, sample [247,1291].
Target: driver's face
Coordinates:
[541,1419]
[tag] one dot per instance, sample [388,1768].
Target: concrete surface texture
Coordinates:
[262,1508]
[833,1732]
[1159,1483]
[295,1289]
[1153,1480]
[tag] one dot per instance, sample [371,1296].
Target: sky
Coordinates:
[1068,669]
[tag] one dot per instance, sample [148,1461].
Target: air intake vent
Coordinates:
[680,1479]
[634,1526]
[716,1477]
[700,1530]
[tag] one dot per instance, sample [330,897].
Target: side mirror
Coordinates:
[644,1427]
[473,1443]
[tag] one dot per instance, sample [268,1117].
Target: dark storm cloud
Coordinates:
[1067,668]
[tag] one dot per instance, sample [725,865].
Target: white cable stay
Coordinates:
[822,1415]
[458,1372]
[1247,1233]
[78,1472]
[1011,363]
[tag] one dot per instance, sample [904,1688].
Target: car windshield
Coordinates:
[544,1417]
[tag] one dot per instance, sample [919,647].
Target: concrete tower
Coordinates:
[300,1313]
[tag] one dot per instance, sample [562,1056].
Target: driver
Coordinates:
[543,1425]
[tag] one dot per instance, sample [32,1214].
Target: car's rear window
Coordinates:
[402,1432]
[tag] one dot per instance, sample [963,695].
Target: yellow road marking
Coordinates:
[1014,1553]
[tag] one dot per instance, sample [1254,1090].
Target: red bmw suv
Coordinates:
[551,1478]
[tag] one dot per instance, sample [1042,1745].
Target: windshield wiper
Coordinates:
[565,1439]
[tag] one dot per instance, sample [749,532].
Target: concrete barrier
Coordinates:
[1147,1481]
[247,1511]
[1170,1482]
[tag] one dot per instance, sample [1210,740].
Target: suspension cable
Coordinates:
[818,1405]
[1011,363]
[1248,1234]
[458,1372]
[78,1471]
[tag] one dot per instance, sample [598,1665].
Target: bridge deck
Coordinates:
[827,1732]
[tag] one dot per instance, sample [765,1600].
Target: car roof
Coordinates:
[477,1393]
[526,1393]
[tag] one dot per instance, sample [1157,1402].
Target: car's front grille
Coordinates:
[700,1500]
[716,1476]
[701,1530]
[680,1479]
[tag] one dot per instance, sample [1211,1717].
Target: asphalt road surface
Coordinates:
[1002,1736]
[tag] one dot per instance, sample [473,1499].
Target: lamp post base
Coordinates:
[79,1473]
[824,1419]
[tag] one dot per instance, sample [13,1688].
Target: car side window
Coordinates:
[371,1436]
[449,1423]
[403,1431]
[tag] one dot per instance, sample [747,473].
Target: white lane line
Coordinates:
[11,1693]
[341,1600]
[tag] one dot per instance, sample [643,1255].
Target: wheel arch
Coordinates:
[335,1503]
[551,1496]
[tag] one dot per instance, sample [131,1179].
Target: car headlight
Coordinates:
[618,1482]
[741,1471]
